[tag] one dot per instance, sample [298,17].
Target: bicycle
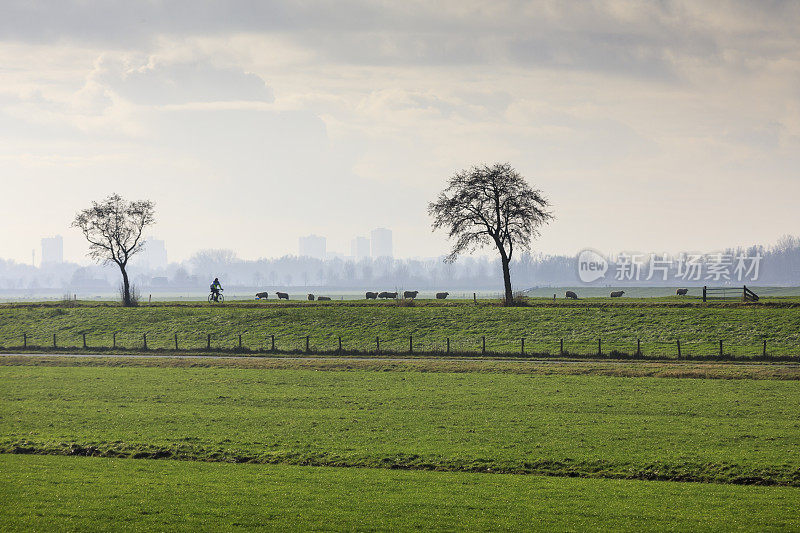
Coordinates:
[219,297]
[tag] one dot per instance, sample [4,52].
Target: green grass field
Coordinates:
[740,431]
[742,328]
[96,494]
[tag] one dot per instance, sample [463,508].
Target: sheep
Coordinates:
[323,299]
[410,294]
[442,295]
[386,294]
[372,295]
[681,292]
[260,295]
[570,294]
[310,297]
[617,294]
[282,296]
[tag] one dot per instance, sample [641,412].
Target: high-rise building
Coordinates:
[153,255]
[312,246]
[52,250]
[381,242]
[359,248]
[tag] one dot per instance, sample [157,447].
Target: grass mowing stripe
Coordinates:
[114,494]
[744,431]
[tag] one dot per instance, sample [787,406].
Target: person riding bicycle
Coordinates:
[215,288]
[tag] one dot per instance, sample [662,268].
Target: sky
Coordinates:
[650,126]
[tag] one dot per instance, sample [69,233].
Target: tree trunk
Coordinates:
[126,287]
[507,278]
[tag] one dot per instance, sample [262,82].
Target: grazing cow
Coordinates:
[442,295]
[372,295]
[310,297]
[617,294]
[410,294]
[260,295]
[282,296]
[570,294]
[386,294]
[323,299]
[681,292]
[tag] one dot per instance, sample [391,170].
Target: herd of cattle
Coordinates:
[408,295]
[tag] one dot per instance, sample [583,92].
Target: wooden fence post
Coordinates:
[679,348]
[448,345]
[273,342]
[377,345]
[522,348]
[483,345]
[599,346]
[561,349]
[340,344]
[307,344]
[704,292]
[24,340]
[638,347]
[720,347]
[240,341]
[84,340]
[114,340]
[475,297]
[411,344]
[176,341]
[145,341]
[54,340]
[208,341]
[764,352]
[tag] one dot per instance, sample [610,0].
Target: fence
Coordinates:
[250,342]
[728,292]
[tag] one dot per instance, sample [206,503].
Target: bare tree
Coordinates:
[490,205]
[114,229]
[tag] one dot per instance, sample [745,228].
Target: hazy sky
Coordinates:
[650,125]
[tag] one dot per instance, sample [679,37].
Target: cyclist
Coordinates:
[215,288]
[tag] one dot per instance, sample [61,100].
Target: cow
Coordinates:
[372,295]
[310,297]
[442,295]
[260,295]
[570,294]
[386,294]
[681,292]
[323,299]
[410,294]
[617,294]
[282,295]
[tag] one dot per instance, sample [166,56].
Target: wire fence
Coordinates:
[252,342]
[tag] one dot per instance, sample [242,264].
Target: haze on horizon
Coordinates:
[652,126]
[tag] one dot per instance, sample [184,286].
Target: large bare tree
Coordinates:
[488,205]
[114,229]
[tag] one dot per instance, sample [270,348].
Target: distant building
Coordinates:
[52,250]
[154,254]
[381,242]
[312,246]
[359,248]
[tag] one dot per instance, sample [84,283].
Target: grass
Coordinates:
[743,328]
[92,494]
[728,431]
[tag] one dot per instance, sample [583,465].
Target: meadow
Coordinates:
[717,430]
[426,326]
[150,495]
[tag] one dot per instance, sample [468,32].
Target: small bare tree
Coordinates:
[490,205]
[114,229]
